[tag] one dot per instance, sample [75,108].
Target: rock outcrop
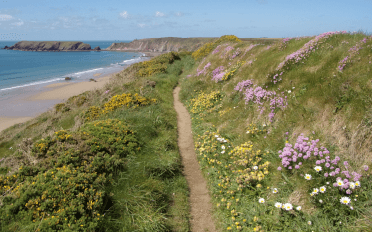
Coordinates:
[49,46]
[97,48]
[167,44]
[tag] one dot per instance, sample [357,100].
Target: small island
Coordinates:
[51,46]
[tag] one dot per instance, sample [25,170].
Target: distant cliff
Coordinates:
[166,44]
[49,46]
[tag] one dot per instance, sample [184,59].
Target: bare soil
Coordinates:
[201,217]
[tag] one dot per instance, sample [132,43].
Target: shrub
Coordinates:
[65,191]
[209,47]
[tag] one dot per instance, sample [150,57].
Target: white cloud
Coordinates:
[141,25]
[4,17]
[124,14]
[18,23]
[179,14]
[159,14]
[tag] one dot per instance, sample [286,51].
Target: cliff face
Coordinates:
[167,44]
[50,46]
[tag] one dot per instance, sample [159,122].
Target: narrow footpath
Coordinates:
[201,218]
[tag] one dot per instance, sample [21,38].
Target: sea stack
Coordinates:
[97,48]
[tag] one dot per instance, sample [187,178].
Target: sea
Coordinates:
[27,72]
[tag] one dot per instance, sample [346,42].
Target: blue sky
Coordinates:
[137,19]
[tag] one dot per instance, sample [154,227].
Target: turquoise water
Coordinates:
[19,69]
[26,72]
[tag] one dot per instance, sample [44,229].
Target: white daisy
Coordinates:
[340,183]
[288,206]
[255,167]
[318,168]
[275,190]
[222,151]
[261,200]
[322,189]
[352,185]
[345,200]
[278,205]
[298,208]
[315,191]
[357,184]
[307,176]
[223,147]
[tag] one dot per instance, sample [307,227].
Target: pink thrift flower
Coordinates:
[279,168]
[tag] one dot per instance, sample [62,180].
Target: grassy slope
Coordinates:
[150,193]
[323,103]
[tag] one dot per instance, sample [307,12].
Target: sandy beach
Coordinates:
[63,91]
[54,93]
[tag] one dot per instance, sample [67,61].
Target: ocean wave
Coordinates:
[33,83]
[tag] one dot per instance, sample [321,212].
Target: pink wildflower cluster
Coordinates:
[309,47]
[218,74]
[242,85]
[305,51]
[204,70]
[342,64]
[235,54]
[259,96]
[353,52]
[217,49]
[229,48]
[268,47]
[294,156]
[250,48]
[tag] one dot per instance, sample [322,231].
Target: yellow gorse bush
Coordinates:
[205,101]
[117,101]
[156,65]
[209,47]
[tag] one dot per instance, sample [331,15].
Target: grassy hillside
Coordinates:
[166,44]
[105,160]
[283,131]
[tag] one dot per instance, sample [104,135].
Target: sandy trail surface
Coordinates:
[201,217]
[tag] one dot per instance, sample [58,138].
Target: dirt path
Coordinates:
[201,218]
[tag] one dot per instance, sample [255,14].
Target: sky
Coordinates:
[137,19]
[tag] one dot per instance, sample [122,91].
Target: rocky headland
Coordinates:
[161,45]
[51,46]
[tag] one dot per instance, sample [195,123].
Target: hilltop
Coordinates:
[166,44]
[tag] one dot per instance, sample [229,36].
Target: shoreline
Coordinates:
[42,101]
[50,95]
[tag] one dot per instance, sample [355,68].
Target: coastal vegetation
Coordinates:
[104,160]
[282,132]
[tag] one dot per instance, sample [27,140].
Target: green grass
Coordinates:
[332,104]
